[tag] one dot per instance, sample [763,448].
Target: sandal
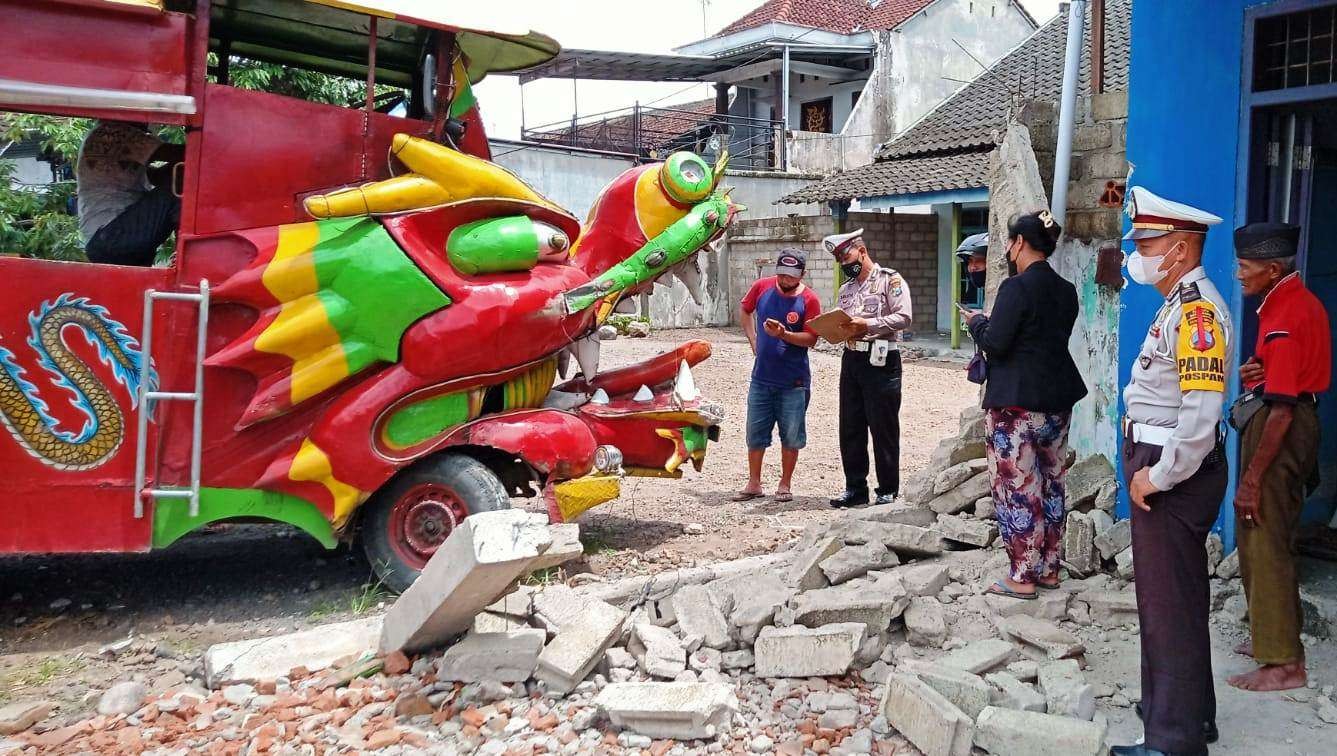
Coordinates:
[747,495]
[999,588]
[784,496]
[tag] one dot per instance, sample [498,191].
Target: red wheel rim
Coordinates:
[422,519]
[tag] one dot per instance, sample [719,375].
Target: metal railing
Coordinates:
[652,133]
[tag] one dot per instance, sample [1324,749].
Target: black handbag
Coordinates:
[1245,407]
[978,369]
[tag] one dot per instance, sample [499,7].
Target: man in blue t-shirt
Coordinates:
[781,381]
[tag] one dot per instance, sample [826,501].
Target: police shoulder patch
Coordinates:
[1201,351]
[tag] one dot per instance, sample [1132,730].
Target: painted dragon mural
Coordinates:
[26,414]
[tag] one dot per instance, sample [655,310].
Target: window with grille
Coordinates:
[1295,50]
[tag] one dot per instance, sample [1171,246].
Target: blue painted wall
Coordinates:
[1183,139]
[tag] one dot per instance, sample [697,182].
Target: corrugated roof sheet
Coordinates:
[960,132]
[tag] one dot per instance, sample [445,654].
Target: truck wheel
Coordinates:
[409,517]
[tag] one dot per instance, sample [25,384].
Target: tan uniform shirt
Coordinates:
[882,299]
[1178,380]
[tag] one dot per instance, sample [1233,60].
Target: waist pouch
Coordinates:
[1244,408]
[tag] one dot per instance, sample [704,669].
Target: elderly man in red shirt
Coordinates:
[1278,422]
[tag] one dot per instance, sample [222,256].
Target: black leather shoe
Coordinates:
[1209,731]
[885,499]
[850,499]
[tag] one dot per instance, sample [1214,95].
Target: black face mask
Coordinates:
[852,270]
[1011,263]
[977,279]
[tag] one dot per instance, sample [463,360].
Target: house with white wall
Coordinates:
[852,74]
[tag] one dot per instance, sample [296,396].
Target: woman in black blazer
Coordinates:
[1029,395]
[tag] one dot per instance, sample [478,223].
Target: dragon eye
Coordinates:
[686,177]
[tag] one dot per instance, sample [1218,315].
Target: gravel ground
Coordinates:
[644,528]
[235,582]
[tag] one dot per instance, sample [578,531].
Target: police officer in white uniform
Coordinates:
[1175,470]
[878,303]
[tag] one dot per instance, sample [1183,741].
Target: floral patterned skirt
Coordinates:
[1026,451]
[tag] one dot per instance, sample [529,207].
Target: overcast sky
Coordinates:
[651,26]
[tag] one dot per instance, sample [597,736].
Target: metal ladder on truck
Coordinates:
[146,396]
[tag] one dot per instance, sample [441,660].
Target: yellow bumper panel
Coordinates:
[575,497]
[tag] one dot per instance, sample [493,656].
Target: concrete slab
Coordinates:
[807,652]
[969,693]
[1007,732]
[928,720]
[981,656]
[670,710]
[699,613]
[1066,691]
[252,661]
[508,657]
[477,563]
[579,645]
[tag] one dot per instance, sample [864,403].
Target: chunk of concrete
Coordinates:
[1085,480]
[1123,564]
[1066,691]
[658,651]
[252,661]
[1008,732]
[756,605]
[806,572]
[955,475]
[487,622]
[1216,551]
[565,546]
[807,652]
[473,567]
[670,710]
[984,508]
[1111,607]
[969,693]
[856,561]
[874,607]
[1051,605]
[928,720]
[1101,520]
[905,540]
[508,657]
[19,716]
[1114,540]
[1079,549]
[977,533]
[579,645]
[1053,640]
[925,623]
[962,497]
[1229,566]
[699,613]
[897,514]
[557,606]
[980,656]
[1015,694]
[924,579]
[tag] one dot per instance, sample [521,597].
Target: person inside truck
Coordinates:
[127,208]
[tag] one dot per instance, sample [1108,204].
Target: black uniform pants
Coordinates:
[870,400]
[1170,559]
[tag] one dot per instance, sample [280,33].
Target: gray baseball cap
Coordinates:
[791,262]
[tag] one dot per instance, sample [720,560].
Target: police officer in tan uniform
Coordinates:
[1175,470]
[878,303]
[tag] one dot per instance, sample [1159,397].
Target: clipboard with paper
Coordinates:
[830,325]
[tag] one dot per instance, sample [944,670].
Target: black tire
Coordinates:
[404,521]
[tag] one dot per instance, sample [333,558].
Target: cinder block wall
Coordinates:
[906,242]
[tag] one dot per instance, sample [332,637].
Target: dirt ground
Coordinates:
[57,612]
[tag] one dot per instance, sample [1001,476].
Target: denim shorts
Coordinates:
[768,406]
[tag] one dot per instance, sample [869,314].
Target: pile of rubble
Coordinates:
[871,632]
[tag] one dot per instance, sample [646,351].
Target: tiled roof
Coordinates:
[840,16]
[933,173]
[956,137]
[617,133]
